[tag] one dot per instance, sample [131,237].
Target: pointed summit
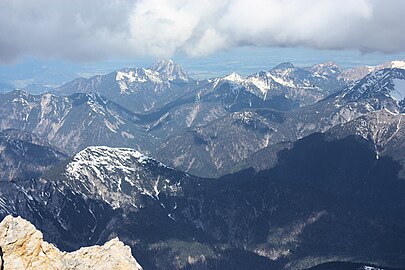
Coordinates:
[169,70]
[233,77]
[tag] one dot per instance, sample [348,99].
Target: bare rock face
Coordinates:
[22,247]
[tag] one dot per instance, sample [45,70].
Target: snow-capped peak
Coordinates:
[234,77]
[162,72]
[118,175]
[99,156]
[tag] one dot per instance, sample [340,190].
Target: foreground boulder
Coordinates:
[22,247]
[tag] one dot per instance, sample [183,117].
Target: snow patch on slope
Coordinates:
[399,90]
[281,81]
[127,77]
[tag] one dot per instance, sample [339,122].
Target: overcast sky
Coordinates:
[106,29]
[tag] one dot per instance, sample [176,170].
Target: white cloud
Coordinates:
[95,29]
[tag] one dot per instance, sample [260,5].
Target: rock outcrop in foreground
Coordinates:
[22,247]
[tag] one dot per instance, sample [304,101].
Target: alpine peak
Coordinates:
[169,70]
[233,77]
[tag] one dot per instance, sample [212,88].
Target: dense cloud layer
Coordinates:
[96,29]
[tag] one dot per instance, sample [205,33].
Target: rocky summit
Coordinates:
[22,247]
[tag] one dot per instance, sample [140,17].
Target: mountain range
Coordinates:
[291,168]
[226,141]
[137,89]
